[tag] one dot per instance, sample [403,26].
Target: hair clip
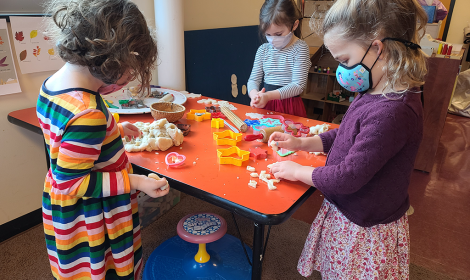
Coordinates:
[135,53]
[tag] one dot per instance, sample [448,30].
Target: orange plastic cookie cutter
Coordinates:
[217,123]
[198,115]
[227,137]
[224,156]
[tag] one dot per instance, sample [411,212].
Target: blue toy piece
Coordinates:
[174,259]
[251,122]
[266,122]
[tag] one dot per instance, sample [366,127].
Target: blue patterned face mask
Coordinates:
[357,78]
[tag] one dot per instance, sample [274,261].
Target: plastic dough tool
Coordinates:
[284,152]
[198,115]
[231,127]
[224,156]
[174,159]
[227,137]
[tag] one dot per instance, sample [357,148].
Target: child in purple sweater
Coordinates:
[361,230]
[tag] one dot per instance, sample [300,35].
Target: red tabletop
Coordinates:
[225,181]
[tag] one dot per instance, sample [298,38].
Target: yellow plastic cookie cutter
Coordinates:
[217,123]
[227,137]
[198,115]
[223,155]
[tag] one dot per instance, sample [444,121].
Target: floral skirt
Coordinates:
[340,249]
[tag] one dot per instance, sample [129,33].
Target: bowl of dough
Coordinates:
[167,110]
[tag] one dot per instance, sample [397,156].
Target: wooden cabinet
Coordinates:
[437,93]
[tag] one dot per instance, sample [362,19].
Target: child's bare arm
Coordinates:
[148,185]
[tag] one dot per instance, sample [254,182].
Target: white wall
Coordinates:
[460,19]
[209,14]
[22,164]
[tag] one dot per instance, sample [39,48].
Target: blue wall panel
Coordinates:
[213,55]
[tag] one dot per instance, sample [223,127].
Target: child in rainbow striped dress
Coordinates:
[90,211]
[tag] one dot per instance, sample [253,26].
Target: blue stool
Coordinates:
[185,256]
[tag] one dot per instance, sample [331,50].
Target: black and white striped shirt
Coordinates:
[287,67]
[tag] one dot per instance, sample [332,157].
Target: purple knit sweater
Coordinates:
[371,157]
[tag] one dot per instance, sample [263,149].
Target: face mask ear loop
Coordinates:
[366,52]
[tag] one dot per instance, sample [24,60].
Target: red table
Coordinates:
[223,185]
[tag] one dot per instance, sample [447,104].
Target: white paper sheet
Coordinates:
[9,82]
[34,51]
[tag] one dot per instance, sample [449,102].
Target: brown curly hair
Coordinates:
[109,37]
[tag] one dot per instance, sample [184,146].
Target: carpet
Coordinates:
[24,257]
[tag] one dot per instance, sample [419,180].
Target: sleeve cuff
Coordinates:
[127,182]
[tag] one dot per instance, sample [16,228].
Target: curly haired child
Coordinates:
[90,212]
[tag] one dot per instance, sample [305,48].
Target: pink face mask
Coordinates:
[110,88]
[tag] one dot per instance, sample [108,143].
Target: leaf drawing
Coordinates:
[1,42]
[50,52]
[19,36]
[33,34]
[37,51]
[3,60]
[23,55]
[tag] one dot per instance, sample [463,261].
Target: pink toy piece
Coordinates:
[201,227]
[279,117]
[301,129]
[257,153]
[169,161]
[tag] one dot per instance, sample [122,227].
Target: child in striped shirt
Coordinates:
[282,63]
[90,212]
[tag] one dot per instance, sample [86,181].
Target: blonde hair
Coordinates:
[109,37]
[364,21]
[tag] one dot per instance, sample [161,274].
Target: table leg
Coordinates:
[257,251]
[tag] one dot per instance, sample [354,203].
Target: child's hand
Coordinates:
[285,170]
[130,129]
[148,185]
[285,141]
[256,98]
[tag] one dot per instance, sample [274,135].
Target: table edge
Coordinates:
[261,218]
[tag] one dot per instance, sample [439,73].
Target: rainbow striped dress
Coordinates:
[91,219]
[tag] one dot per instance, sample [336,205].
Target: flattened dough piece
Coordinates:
[155,176]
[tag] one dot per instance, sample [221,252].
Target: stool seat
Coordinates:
[201,228]
[223,258]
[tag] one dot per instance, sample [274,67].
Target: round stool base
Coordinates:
[174,259]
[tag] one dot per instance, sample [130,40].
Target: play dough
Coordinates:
[156,136]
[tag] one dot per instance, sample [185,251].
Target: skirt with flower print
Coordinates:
[340,249]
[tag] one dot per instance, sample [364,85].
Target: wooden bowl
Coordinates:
[170,111]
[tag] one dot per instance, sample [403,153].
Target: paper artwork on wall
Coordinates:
[8,77]
[34,51]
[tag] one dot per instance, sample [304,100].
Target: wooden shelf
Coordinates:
[321,97]
[317,96]
[318,73]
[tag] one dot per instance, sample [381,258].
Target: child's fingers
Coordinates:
[278,136]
